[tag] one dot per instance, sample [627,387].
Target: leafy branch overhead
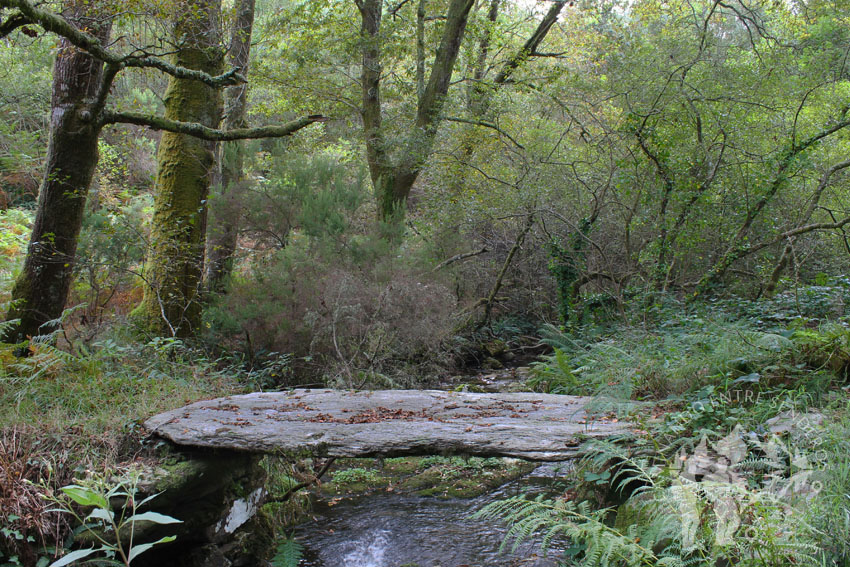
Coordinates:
[29,13]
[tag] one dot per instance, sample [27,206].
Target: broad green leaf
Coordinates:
[84,496]
[154,517]
[142,547]
[749,378]
[102,514]
[74,556]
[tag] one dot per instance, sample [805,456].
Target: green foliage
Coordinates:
[565,265]
[555,375]
[675,126]
[11,533]
[15,227]
[355,475]
[829,514]
[827,347]
[25,105]
[113,533]
[313,196]
[336,297]
[598,544]
[720,344]
[111,381]
[111,247]
[704,482]
[287,553]
[671,518]
[826,300]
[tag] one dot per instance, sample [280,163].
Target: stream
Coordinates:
[391,530]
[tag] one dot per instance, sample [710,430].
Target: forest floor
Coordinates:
[757,376]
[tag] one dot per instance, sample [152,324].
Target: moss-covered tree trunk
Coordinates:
[224,229]
[42,288]
[171,304]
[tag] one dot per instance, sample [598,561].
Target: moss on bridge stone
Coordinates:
[216,495]
[440,477]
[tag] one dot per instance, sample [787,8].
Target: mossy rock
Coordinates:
[354,476]
[401,466]
[439,477]
[496,348]
[468,482]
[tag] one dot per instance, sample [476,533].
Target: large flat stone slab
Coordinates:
[389,423]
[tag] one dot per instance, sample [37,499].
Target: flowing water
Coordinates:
[387,530]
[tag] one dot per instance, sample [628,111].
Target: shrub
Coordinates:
[320,285]
[112,244]
[351,320]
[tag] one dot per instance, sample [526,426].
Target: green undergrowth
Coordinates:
[108,385]
[740,456]
[73,409]
[439,477]
[15,225]
[667,349]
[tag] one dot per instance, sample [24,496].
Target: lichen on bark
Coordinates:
[42,288]
[171,303]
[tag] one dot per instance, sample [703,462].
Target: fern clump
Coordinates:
[671,520]
[287,553]
[600,545]
[712,476]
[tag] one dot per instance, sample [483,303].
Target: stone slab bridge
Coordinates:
[389,423]
[213,482]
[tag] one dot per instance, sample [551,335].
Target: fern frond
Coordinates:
[556,519]
[288,553]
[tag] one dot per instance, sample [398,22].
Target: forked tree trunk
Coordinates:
[171,303]
[393,179]
[224,228]
[41,290]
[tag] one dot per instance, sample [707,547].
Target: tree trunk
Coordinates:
[42,288]
[171,303]
[773,281]
[224,227]
[393,181]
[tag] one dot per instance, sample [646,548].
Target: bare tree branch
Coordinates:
[60,26]
[795,232]
[205,132]
[458,258]
[485,124]
[394,10]
[488,301]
